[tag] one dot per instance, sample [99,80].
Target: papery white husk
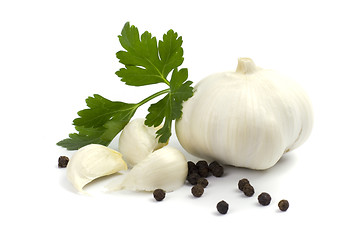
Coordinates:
[137,141]
[165,168]
[248,118]
[91,162]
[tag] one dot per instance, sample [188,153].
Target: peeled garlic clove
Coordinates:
[137,141]
[165,168]
[91,162]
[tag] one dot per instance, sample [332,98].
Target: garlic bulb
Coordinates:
[165,168]
[91,162]
[247,118]
[137,141]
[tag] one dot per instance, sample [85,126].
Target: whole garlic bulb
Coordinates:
[247,118]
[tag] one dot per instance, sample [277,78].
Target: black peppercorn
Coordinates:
[159,194]
[283,205]
[203,171]
[193,177]
[264,199]
[213,164]
[222,207]
[202,168]
[197,190]
[63,162]
[248,190]
[203,182]
[217,171]
[202,163]
[242,183]
[192,168]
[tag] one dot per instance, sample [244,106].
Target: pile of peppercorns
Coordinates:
[197,174]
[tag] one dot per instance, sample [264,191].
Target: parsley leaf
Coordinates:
[100,123]
[146,62]
[170,107]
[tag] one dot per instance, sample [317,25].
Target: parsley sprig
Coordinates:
[146,61]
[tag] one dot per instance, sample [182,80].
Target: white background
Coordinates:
[54,54]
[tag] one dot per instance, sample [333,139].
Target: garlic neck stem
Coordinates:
[245,65]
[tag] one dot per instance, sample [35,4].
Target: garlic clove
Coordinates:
[165,168]
[137,141]
[91,162]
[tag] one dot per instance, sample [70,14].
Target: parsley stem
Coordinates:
[153,96]
[166,81]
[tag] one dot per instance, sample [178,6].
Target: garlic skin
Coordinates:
[91,162]
[247,118]
[165,168]
[137,141]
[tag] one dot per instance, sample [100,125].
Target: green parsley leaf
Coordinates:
[170,107]
[101,110]
[84,137]
[100,123]
[146,62]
